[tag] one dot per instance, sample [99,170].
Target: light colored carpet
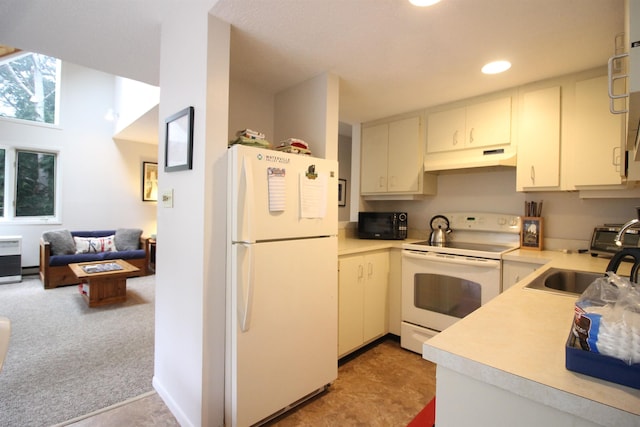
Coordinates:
[66,359]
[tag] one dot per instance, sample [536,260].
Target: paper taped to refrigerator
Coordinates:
[313,196]
[277,189]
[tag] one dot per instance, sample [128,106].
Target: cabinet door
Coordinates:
[375,295]
[539,142]
[597,154]
[373,165]
[405,155]
[351,278]
[514,271]
[446,130]
[489,123]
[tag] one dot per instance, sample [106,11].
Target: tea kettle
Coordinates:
[439,230]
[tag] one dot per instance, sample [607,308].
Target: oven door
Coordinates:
[440,289]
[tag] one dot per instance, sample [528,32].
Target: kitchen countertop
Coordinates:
[517,342]
[349,246]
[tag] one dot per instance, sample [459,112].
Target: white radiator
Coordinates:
[10,259]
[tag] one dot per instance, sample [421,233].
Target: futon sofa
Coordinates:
[59,248]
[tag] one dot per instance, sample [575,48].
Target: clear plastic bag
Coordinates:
[607,318]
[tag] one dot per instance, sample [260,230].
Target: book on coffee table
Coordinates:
[100,268]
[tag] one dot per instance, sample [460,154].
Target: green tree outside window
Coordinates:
[35,184]
[28,87]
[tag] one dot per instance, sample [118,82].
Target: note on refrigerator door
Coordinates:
[313,195]
[277,189]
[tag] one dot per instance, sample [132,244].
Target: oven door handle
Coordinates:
[452,259]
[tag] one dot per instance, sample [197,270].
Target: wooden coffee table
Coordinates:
[103,287]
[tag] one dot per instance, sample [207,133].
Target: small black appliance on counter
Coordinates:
[603,240]
[382,225]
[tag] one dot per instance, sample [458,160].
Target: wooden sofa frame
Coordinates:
[61,275]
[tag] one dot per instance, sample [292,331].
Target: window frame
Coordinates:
[10,184]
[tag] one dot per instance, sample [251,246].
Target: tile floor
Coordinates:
[382,386]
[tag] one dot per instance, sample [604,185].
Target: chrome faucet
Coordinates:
[628,225]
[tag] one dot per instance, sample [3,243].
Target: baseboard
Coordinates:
[175,409]
[367,347]
[27,271]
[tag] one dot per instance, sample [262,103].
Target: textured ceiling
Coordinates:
[391,57]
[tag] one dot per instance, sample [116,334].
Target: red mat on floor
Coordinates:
[426,417]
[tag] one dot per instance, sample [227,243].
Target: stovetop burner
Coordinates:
[479,235]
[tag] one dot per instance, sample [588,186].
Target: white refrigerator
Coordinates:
[282,296]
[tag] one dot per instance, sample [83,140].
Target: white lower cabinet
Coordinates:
[514,271]
[362,299]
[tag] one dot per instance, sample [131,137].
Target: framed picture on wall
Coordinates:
[178,148]
[149,182]
[342,192]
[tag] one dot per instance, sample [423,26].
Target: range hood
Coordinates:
[470,159]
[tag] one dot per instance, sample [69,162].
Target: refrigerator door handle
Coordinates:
[245,202]
[245,293]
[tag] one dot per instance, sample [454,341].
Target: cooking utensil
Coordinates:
[439,230]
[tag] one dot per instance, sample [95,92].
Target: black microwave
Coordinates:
[603,240]
[382,225]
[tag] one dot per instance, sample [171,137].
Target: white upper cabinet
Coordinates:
[446,130]
[598,143]
[481,124]
[489,123]
[375,145]
[538,164]
[392,159]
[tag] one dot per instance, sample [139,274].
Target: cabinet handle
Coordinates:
[369,269]
[392,182]
[360,271]
[612,79]
[471,135]
[381,182]
[617,159]
[455,138]
[533,174]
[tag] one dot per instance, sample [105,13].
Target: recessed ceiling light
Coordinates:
[423,3]
[496,67]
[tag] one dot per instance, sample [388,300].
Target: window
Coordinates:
[28,87]
[35,184]
[28,179]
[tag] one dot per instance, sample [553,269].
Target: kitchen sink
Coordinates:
[566,282]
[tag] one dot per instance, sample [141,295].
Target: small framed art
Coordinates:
[149,182]
[342,192]
[178,148]
[531,234]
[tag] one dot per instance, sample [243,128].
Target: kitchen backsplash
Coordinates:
[568,219]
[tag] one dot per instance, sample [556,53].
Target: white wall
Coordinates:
[250,107]
[191,264]
[132,100]
[100,182]
[344,159]
[309,111]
